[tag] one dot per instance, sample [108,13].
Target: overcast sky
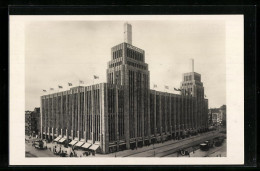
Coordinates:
[58,52]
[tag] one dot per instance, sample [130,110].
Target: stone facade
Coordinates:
[32,122]
[124,112]
[217,116]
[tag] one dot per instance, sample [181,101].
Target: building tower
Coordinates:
[128,33]
[191,85]
[124,113]
[127,68]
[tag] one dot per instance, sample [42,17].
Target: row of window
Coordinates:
[187,91]
[136,65]
[187,78]
[70,118]
[134,55]
[187,118]
[112,117]
[186,84]
[197,77]
[117,54]
[115,64]
[131,103]
[139,105]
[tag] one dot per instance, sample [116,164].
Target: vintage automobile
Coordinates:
[212,128]
[204,147]
[39,144]
[186,151]
[209,143]
[218,141]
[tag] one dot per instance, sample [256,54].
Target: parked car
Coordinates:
[39,144]
[209,143]
[218,141]
[204,147]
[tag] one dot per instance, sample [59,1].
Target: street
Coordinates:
[172,146]
[165,149]
[31,151]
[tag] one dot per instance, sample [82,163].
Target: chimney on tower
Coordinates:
[192,65]
[128,33]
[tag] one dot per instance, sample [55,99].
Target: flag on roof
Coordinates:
[177,89]
[96,77]
[70,84]
[60,86]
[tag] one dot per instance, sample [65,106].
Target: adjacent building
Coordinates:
[32,122]
[217,116]
[124,112]
[223,112]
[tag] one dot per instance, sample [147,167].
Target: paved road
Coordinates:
[212,152]
[220,152]
[30,151]
[160,147]
[168,149]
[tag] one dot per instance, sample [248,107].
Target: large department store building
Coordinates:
[124,113]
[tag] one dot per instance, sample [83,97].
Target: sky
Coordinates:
[58,52]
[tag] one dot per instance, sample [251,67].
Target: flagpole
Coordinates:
[165,89]
[44,92]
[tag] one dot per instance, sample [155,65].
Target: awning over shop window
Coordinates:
[80,143]
[94,147]
[73,142]
[62,140]
[86,145]
[57,139]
